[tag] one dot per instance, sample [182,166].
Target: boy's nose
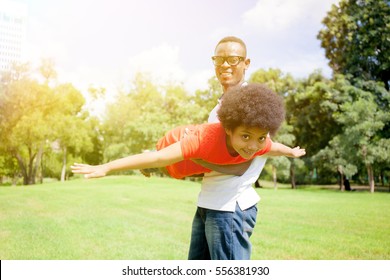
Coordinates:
[254,146]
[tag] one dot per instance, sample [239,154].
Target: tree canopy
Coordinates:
[356,39]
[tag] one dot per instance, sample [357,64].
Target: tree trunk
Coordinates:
[23,168]
[31,174]
[14,180]
[42,173]
[341,172]
[37,164]
[382,176]
[292,174]
[371,179]
[63,172]
[274,176]
[370,171]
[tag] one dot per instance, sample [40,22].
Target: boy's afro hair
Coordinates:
[252,105]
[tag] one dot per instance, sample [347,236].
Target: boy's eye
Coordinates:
[262,139]
[245,137]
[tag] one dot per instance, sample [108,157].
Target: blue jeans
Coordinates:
[221,235]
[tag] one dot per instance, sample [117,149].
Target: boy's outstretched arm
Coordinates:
[161,158]
[278,149]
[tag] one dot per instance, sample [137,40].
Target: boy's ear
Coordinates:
[228,131]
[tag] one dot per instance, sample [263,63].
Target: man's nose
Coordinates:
[225,64]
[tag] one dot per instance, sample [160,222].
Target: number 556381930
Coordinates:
[224,270]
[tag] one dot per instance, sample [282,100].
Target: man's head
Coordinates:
[230,62]
[248,113]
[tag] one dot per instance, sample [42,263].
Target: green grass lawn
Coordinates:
[132,217]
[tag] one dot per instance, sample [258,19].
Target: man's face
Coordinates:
[229,75]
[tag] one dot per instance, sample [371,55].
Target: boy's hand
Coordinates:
[298,152]
[89,171]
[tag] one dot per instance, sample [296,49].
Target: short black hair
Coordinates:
[231,39]
[252,105]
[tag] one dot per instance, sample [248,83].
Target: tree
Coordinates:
[275,79]
[310,112]
[8,167]
[207,99]
[27,120]
[47,70]
[356,39]
[284,85]
[33,116]
[24,116]
[71,131]
[336,157]
[359,140]
[136,120]
[282,164]
[362,121]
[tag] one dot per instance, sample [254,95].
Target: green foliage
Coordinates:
[360,141]
[284,85]
[95,155]
[26,118]
[275,79]
[310,112]
[208,99]
[356,39]
[362,121]
[279,166]
[183,108]
[33,115]
[138,119]
[135,121]
[8,166]
[47,69]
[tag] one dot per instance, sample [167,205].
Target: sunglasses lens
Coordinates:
[233,60]
[218,60]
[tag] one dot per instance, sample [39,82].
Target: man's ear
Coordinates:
[247,63]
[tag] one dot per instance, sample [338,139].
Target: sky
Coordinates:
[103,43]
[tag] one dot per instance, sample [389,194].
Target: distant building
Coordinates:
[13,28]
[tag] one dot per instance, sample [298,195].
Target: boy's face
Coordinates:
[245,141]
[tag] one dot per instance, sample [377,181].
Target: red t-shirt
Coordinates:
[204,141]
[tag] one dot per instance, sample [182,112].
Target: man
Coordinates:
[226,213]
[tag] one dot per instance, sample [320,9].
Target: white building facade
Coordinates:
[13,28]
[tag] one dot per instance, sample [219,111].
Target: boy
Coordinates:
[247,116]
